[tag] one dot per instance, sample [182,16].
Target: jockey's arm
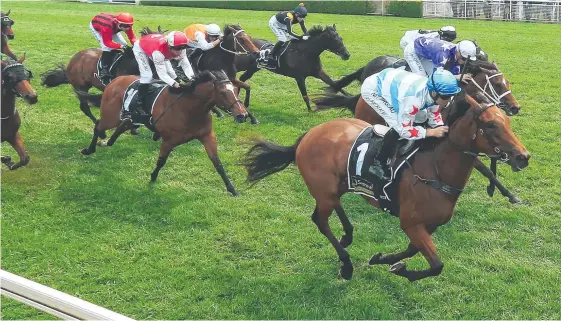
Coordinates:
[409,107]
[186,65]
[434,116]
[131,35]
[160,64]
[107,38]
[303,26]
[288,25]
[203,43]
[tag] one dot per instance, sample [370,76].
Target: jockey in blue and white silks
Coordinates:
[446,33]
[398,96]
[424,55]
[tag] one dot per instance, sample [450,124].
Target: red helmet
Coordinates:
[125,18]
[177,39]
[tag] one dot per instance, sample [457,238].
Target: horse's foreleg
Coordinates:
[210,144]
[478,164]
[303,91]
[249,73]
[241,84]
[347,239]
[123,127]
[321,217]
[17,144]
[85,107]
[165,150]
[91,148]
[420,239]
[323,76]
[217,112]
[380,258]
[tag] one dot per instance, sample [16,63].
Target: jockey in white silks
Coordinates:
[446,33]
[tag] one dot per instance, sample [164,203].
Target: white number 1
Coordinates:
[362,149]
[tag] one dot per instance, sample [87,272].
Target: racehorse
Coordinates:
[180,115]
[300,59]
[488,84]
[236,43]
[427,190]
[7,33]
[15,83]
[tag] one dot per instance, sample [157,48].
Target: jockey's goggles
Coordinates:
[179,47]
[445,97]
[124,25]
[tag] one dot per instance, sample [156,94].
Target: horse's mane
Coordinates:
[199,78]
[147,31]
[315,31]
[475,67]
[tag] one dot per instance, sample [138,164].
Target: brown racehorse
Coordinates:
[15,83]
[7,33]
[322,155]
[180,115]
[488,84]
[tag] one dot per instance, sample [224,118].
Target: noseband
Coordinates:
[236,43]
[238,101]
[493,96]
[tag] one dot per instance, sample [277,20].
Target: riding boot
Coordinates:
[387,153]
[140,99]
[274,51]
[106,60]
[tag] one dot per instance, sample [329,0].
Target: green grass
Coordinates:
[185,249]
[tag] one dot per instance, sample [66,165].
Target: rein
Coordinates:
[493,96]
[236,42]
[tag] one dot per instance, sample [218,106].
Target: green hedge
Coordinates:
[411,9]
[341,7]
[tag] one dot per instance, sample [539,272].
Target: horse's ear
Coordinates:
[159,29]
[8,13]
[334,27]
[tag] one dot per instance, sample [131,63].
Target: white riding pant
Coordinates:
[143,63]
[118,38]
[419,65]
[279,30]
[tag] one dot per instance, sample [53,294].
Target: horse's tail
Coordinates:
[266,158]
[346,80]
[329,101]
[55,77]
[90,98]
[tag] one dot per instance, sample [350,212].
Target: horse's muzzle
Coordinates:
[31,98]
[513,110]
[345,55]
[240,118]
[520,161]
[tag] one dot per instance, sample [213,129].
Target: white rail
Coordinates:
[52,301]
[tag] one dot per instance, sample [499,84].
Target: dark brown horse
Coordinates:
[180,115]
[301,59]
[488,84]
[15,83]
[322,155]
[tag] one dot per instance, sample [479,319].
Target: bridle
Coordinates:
[493,96]
[8,85]
[238,101]
[236,43]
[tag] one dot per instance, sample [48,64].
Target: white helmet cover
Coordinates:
[467,49]
[213,30]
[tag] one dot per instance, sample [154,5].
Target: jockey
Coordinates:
[398,95]
[160,49]
[7,34]
[446,33]
[106,29]
[426,54]
[203,37]
[281,25]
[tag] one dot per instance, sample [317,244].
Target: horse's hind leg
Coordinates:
[91,149]
[240,84]
[493,180]
[321,218]
[420,239]
[85,107]
[323,76]
[380,258]
[17,144]
[347,239]
[123,127]
[134,130]
[303,91]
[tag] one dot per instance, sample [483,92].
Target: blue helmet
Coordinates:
[443,82]
[301,10]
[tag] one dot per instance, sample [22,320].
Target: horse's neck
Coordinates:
[313,45]
[454,166]
[203,93]
[8,102]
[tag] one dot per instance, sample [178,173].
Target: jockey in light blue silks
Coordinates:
[398,96]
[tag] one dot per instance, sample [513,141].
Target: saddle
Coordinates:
[265,59]
[118,56]
[131,95]
[360,181]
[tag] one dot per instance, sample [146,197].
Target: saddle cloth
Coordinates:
[371,186]
[116,58]
[265,61]
[131,94]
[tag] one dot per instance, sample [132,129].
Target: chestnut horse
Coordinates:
[488,84]
[15,83]
[322,154]
[180,115]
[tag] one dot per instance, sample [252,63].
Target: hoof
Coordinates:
[153,178]
[234,193]
[135,132]
[155,136]
[490,191]
[376,259]
[254,122]
[85,151]
[397,268]
[346,241]
[346,271]
[6,159]
[514,200]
